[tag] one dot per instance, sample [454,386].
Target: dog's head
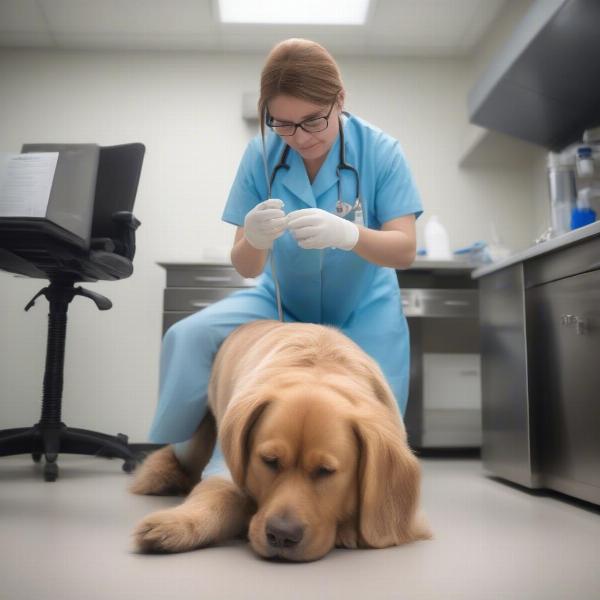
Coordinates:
[327,464]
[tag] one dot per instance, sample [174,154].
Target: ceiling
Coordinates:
[394,27]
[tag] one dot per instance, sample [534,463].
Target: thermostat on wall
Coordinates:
[250,106]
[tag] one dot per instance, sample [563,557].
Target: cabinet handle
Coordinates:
[581,325]
[201,304]
[456,302]
[213,278]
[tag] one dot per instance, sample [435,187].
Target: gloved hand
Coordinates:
[265,223]
[318,228]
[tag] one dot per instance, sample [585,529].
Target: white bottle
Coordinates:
[437,243]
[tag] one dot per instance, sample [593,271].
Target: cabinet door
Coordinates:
[564,350]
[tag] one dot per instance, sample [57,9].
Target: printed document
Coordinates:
[25,183]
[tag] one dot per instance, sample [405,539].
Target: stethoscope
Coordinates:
[343,209]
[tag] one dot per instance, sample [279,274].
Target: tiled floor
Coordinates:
[70,540]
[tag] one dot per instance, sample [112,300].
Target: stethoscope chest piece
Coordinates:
[342,209]
[352,212]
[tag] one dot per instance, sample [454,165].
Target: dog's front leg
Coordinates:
[162,473]
[216,510]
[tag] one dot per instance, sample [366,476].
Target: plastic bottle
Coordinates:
[585,161]
[437,242]
[582,214]
[561,179]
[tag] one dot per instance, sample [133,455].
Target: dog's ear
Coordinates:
[389,482]
[234,434]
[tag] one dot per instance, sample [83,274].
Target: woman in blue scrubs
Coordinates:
[332,269]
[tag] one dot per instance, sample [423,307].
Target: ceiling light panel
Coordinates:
[300,12]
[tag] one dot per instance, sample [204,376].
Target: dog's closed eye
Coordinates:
[271,461]
[322,471]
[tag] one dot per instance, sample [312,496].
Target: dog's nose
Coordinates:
[284,533]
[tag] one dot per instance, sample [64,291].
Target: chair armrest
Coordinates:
[125,225]
[126,217]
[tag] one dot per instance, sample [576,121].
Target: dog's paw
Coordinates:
[167,531]
[346,536]
[162,475]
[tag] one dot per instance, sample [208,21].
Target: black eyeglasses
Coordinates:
[312,125]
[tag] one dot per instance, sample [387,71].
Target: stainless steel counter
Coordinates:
[543,248]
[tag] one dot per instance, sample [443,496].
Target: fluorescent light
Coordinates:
[308,12]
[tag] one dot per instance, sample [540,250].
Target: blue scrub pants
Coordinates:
[190,345]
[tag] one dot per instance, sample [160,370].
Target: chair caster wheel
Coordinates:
[37,456]
[50,471]
[129,466]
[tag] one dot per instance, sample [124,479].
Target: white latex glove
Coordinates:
[265,223]
[318,228]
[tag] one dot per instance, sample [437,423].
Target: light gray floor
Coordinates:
[70,540]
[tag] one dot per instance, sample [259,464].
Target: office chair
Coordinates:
[39,248]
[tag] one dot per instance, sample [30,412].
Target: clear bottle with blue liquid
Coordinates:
[583,214]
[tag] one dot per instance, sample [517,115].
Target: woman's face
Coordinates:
[310,146]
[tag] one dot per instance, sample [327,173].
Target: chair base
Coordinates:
[50,440]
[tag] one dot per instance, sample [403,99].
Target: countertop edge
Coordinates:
[419,264]
[567,239]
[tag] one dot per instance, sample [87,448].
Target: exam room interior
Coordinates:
[69,539]
[185,106]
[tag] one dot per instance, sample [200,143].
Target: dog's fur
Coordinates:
[315,444]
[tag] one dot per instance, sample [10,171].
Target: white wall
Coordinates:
[185,107]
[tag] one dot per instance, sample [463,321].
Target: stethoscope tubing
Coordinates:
[282,164]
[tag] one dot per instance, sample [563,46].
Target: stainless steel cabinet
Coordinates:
[540,322]
[537,87]
[508,448]
[564,329]
[442,308]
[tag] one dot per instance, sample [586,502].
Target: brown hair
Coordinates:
[299,68]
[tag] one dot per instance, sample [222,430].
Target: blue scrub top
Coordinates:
[328,286]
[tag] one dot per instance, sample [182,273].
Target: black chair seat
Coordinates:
[109,265]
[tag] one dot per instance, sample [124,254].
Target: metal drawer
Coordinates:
[182,276]
[564,262]
[440,303]
[193,299]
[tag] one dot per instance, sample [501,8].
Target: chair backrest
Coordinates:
[119,169]
[71,203]
[45,248]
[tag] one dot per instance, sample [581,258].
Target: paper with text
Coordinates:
[25,183]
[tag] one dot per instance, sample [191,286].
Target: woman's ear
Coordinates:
[234,434]
[389,482]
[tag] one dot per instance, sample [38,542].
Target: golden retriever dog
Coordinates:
[315,445]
